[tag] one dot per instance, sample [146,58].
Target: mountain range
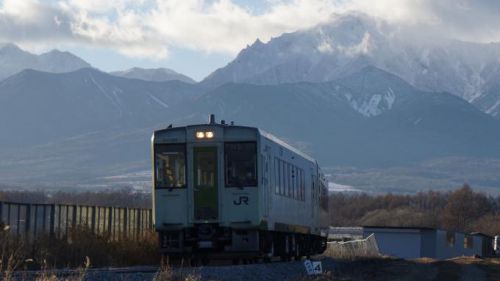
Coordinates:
[357,94]
[352,42]
[13,60]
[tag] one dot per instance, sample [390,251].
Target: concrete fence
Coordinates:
[56,220]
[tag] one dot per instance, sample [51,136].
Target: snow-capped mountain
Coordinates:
[155,74]
[351,42]
[13,60]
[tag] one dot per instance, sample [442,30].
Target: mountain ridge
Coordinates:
[14,59]
[153,74]
[351,42]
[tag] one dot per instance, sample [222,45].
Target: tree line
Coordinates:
[461,210]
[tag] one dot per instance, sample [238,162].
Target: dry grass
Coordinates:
[166,273]
[46,274]
[11,253]
[81,244]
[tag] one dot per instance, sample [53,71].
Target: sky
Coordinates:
[195,37]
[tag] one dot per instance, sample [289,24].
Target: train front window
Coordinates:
[170,165]
[240,160]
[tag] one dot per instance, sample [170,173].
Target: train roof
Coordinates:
[260,131]
[285,144]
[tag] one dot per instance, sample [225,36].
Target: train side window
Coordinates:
[300,184]
[286,192]
[283,179]
[296,183]
[240,160]
[324,196]
[288,182]
[303,185]
[170,165]
[276,176]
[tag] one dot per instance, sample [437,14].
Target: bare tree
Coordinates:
[464,208]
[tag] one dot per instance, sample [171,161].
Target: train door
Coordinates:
[205,185]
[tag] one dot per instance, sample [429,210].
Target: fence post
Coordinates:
[125,223]
[73,223]
[8,213]
[44,221]
[92,224]
[35,223]
[110,222]
[139,222]
[1,213]
[27,225]
[59,214]
[150,222]
[18,230]
[52,220]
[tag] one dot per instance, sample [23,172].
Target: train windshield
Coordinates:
[240,160]
[170,165]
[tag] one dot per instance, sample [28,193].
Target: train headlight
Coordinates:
[205,135]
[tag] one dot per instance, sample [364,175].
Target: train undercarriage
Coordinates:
[209,241]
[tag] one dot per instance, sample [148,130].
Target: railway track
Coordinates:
[217,270]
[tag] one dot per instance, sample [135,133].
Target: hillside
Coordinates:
[90,125]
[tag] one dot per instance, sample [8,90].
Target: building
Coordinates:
[418,242]
[338,233]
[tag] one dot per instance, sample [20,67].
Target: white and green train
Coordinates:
[222,189]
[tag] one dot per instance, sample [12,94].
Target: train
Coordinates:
[224,190]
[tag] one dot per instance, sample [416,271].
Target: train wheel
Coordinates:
[205,261]
[193,262]
[236,261]
[297,256]
[285,258]
[268,256]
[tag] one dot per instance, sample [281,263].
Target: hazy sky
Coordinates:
[197,36]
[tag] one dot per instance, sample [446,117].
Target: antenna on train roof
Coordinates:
[211,119]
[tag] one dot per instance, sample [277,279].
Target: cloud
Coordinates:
[468,20]
[149,28]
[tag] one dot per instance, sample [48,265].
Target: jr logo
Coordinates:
[242,200]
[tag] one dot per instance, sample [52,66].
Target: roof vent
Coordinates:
[211,119]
